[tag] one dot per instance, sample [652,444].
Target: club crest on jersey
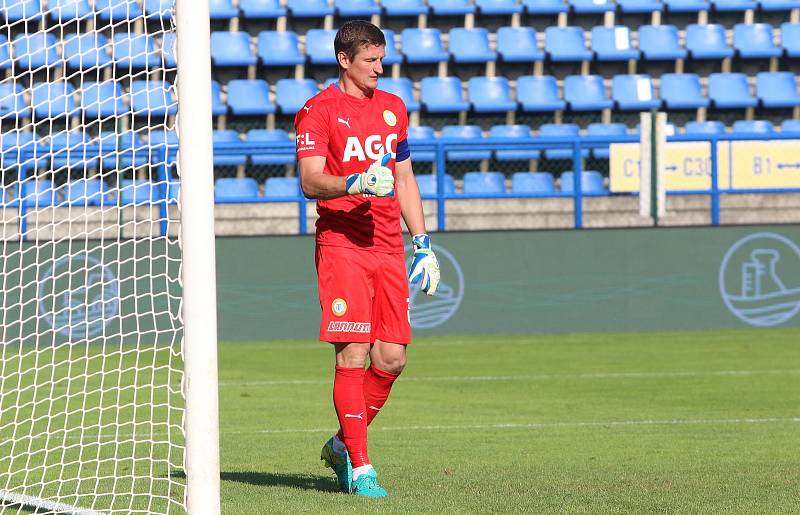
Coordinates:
[390,118]
[339,307]
[372,148]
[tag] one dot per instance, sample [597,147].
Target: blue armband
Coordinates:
[403,152]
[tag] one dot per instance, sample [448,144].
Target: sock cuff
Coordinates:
[349,372]
[382,373]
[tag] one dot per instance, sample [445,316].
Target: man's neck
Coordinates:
[351,89]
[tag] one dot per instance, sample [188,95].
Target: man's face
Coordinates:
[366,67]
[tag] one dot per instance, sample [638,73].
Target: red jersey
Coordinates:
[352,133]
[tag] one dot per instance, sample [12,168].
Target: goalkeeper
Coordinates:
[354,159]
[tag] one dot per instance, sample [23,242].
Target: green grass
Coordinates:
[690,422]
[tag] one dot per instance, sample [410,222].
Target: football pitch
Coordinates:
[674,422]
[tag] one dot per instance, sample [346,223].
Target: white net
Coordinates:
[91,407]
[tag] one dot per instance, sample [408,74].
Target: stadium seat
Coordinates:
[451,7]
[442,95]
[231,49]
[687,6]
[404,7]
[32,51]
[545,7]
[479,183]
[121,150]
[566,44]
[490,95]
[329,82]
[5,53]
[634,93]
[470,46]
[539,93]
[319,46]
[164,144]
[777,5]
[292,94]
[218,108]
[734,5]
[282,187]
[12,102]
[518,45]
[356,8]
[279,48]
[158,9]
[565,131]
[102,99]
[640,6]
[53,99]
[167,47]
[754,41]
[67,10]
[586,93]
[86,192]
[792,126]
[591,182]
[261,9]
[660,43]
[790,39]
[137,192]
[753,127]
[730,91]
[152,98]
[222,10]
[69,150]
[682,91]
[707,42]
[421,134]
[135,51]
[517,132]
[115,11]
[227,136]
[605,129]
[613,44]
[498,7]
[592,6]
[270,135]
[427,185]
[19,10]
[542,183]
[777,89]
[309,8]
[391,54]
[86,51]
[403,88]
[38,193]
[707,127]
[465,132]
[14,144]
[249,98]
[235,188]
[422,46]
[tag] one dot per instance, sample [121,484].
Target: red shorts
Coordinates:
[363,295]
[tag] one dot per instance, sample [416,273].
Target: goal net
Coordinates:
[92,366]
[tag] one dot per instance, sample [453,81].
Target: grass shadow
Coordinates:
[301,481]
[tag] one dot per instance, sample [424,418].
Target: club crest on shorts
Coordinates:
[390,118]
[339,307]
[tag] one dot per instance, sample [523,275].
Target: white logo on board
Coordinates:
[428,312]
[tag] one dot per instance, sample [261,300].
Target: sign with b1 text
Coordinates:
[765,164]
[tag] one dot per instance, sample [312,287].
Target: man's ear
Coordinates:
[344,61]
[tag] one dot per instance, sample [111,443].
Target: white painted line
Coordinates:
[37,502]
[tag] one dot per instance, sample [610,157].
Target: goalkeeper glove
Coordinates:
[376,180]
[424,265]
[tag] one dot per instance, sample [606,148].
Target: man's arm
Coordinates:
[409,197]
[318,185]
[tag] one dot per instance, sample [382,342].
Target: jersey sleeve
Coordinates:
[403,152]
[311,128]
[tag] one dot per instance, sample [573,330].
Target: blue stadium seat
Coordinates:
[660,43]
[102,99]
[592,6]
[421,134]
[465,132]
[404,7]
[231,49]
[12,102]
[218,108]
[332,80]
[545,7]
[442,95]
[121,150]
[66,10]
[498,7]
[279,48]
[32,51]
[778,5]
[566,44]
[87,192]
[228,136]
[605,129]
[753,127]
[18,10]
[682,91]
[152,98]
[792,126]
[261,9]
[470,46]
[5,53]
[38,193]
[235,188]
[707,127]
[777,89]
[687,6]
[427,185]
[309,8]
[586,93]
[270,135]
[158,9]
[567,131]
[734,5]
[319,46]
[137,192]
[222,10]
[249,97]
[53,99]
[167,47]
[116,11]
[356,8]
[86,51]
[478,183]
[640,6]
[451,7]
[137,51]
[707,41]
[591,183]
[790,39]
[730,91]
[542,183]
[754,41]
[613,44]
[518,45]
[282,187]
[163,141]
[69,150]
[490,95]
[634,93]
[422,46]
[391,54]
[13,145]
[403,88]
[292,94]
[513,131]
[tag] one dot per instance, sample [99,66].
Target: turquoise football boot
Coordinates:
[340,463]
[367,485]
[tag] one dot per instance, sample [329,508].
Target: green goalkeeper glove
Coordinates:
[376,180]
[424,266]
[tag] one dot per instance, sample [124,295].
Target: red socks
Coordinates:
[377,385]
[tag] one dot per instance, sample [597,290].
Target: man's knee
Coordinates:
[389,357]
[394,365]
[351,355]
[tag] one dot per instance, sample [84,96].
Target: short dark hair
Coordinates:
[355,34]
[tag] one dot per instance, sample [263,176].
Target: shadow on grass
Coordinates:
[302,481]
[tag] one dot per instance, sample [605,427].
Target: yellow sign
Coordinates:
[766,164]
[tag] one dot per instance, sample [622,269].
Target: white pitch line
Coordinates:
[41,503]
[534,377]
